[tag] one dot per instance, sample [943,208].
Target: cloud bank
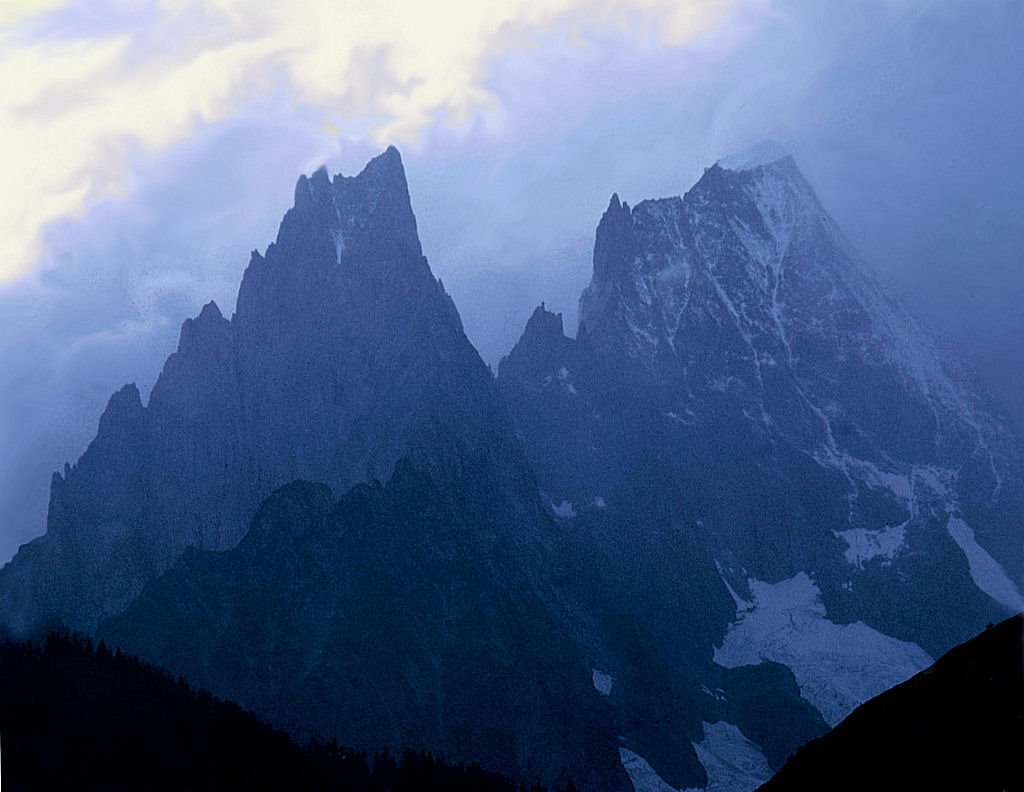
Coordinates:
[903,114]
[89,87]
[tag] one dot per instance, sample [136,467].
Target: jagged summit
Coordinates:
[783,174]
[210,312]
[124,405]
[210,323]
[344,355]
[385,172]
[645,256]
[543,338]
[345,364]
[363,221]
[386,167]
[312,188]
[543,322]
[730,341]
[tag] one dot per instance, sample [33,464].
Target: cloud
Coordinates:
[87,92]
[13,12]
[903,120]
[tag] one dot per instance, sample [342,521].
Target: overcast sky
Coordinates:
[147,147]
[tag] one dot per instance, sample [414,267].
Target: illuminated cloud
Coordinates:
[84,93]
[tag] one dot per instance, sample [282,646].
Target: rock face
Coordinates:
[768,497]
[738,375]
[389,618]
[344,355]
[442,610]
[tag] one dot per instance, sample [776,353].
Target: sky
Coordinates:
[148,146]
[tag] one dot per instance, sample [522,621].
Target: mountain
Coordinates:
[739,380]
[748,496]
[75,716]
[426,612]
[389,618]
[957,725]
[344,355]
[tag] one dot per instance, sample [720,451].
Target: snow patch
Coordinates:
[642,775]
[742,606]
[563,509]
[563,378]
[733,763]
[837,666]
[987,573]
[862,544]
[602,682]
[339,243]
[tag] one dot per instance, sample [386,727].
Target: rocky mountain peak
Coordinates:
[291,513]
[344,355]
[763,153]
[543,342]
[385,172]
[310,190]
[736,323]
[543,326]
[346,239]
[763,188]
[209,325]
[734,230]
[613,245]
[123,409]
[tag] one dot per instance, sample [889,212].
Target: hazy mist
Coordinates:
[905,116]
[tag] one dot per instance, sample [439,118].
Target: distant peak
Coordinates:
[543,322]
[764,153]
[383,173]
[210,323]
[123,409]
[744,171]
[613,244]
[127,394]
[308,189]
[210,312]
[543,336]
[387,164]
[616,207]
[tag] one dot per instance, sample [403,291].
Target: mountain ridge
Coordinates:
[116,723]
[343,355]
[956,724]
[749,492]
[731,344]
[345,364]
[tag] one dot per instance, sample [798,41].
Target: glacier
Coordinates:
[837,666]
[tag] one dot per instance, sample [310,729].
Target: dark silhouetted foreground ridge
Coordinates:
[77,717]
[956,725]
